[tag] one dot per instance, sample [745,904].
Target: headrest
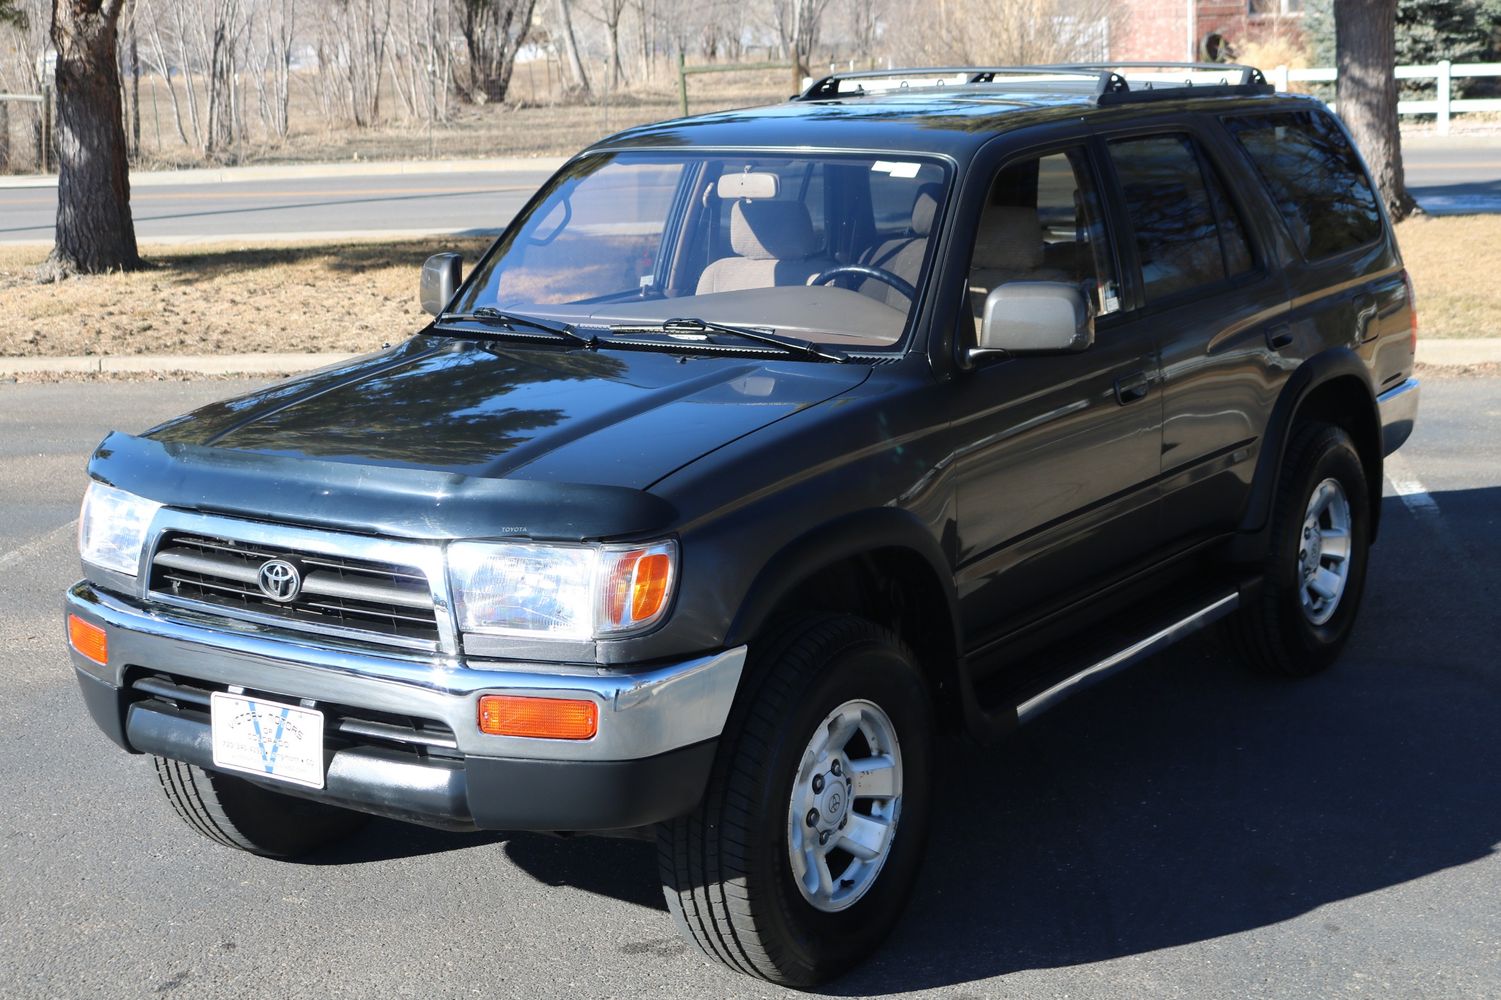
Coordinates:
[1010,239]
[924,208]
[772,230]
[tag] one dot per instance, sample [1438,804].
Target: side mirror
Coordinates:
[440,279]
[1034,317]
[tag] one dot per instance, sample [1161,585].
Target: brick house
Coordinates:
[1162,29]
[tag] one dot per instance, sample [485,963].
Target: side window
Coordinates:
[1187,232]
[1314,177]
[1042,222]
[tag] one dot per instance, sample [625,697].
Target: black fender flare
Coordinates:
[832,542]
[1319,370]
[851,536]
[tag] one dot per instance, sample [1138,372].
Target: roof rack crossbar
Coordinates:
[1110,79]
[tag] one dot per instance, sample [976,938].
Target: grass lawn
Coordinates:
[222,299]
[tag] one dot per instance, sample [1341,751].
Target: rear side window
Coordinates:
[1314,177]
[1187,233]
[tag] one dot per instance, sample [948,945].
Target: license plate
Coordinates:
[266,738]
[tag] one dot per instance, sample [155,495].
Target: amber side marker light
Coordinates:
[89,640]
[539,718]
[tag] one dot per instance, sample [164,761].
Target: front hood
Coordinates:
[450,439]
[493,411]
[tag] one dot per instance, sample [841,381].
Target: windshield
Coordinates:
[827,248]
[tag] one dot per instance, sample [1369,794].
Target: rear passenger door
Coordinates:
[1200,280]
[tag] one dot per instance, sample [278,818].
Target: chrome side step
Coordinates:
[1132,654]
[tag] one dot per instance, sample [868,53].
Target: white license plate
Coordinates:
[266,738]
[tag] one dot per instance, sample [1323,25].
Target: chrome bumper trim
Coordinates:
[641,714]
[1399,412]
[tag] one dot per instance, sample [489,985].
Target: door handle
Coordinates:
[1130,388]
[1279,336]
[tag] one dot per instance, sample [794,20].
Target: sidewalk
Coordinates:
[1439,353]
[233,175]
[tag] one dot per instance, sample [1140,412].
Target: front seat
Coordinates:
[774,245]
[903,257]
[1008,247]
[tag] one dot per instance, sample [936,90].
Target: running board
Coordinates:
[1120,660]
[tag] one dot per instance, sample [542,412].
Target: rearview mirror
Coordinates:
[1034,317]
[440,279]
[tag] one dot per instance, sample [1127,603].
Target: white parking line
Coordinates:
[1409,488]
[37,545]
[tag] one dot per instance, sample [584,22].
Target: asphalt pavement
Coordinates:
[1445,175]
[1183,831]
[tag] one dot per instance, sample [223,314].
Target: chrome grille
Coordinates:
[377,598]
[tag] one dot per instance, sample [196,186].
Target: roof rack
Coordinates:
[1110,82]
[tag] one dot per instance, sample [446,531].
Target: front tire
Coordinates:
[801,857]
[237,813]
[1314,570]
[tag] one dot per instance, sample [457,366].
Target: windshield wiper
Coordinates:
[692,325]
[491,316]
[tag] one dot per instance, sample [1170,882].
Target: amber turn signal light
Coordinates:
[538,718]
[89,640]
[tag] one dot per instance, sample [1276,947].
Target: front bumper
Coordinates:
[404,741]
[1399,412]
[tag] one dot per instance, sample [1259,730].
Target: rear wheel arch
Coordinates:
[1333,387]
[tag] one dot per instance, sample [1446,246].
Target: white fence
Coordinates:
[1444,105]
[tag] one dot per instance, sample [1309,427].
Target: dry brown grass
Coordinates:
[1454,261]
[221,299]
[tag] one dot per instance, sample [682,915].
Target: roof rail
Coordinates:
[1111,81]
[1104,79]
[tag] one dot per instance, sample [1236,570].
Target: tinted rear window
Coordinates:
[1187,234]
[1314,177]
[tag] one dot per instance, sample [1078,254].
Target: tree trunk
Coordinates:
[1366,56]
[571,47]
[95,232]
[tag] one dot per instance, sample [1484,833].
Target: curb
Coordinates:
[146,364]
[240,175]
[1446,353]
[1438,353]
[278,239]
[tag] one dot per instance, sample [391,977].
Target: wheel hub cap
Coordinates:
[1324,551]
[845,804]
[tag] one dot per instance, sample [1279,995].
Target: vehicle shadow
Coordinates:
[1470,198]
[1185,800]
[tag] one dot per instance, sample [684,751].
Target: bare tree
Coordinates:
[95,232]
[571,48]
[1004,32]
[609,14]
[269,42]
[1365,56]
[797,24]
[494,31]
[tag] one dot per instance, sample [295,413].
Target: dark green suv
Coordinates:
[761,449]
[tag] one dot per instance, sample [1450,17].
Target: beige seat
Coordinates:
[774,245]
[903,257]
[1008,247]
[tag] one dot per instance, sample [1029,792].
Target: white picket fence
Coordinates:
[1444,105]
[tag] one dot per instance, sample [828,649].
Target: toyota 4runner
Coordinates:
[763,447]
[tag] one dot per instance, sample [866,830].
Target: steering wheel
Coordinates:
[880,274]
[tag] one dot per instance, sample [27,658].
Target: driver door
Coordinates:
[1057,455]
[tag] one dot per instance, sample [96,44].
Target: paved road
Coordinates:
[1183,831]
[1447,178]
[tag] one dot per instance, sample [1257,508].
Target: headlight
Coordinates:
[112,527]
[560,591]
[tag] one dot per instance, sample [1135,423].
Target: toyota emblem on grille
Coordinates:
[279,580]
